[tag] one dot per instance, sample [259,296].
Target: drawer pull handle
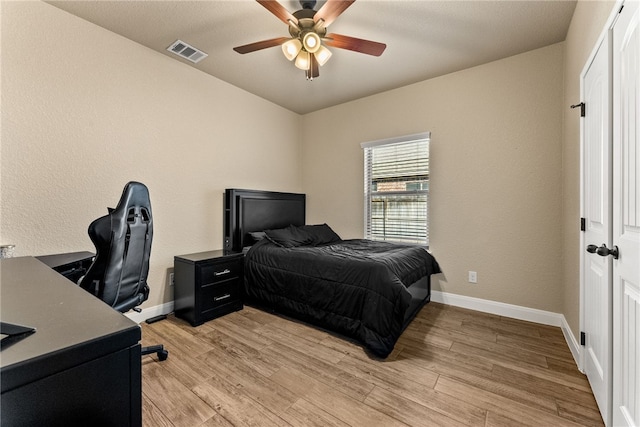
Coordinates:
[222,273]
[221,297]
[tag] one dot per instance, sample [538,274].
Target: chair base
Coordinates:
[159,349]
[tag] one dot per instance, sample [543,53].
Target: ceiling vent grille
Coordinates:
[187,51]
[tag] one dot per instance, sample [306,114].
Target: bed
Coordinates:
[363,289]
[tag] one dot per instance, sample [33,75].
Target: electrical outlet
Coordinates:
[473,277]
[170,279]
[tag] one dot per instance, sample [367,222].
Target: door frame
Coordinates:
[601,380]
[608,28]
[602,39]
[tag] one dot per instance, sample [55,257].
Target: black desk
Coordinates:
[82,366]
[72,265]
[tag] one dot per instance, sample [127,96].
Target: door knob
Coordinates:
[603,250]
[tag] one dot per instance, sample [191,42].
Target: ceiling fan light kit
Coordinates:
[291,49]
[311,42]
[308,29]
[303,60]
[322,55]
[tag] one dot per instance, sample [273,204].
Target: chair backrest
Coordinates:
[122,238]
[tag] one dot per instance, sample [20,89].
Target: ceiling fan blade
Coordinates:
[314,68]
[331,10]
[278,10]
[252,47]
[355,44]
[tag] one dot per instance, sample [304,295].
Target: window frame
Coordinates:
[369,194]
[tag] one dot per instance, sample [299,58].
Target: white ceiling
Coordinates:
[424,39]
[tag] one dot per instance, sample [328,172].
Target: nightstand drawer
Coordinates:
[214,296]
[220,271]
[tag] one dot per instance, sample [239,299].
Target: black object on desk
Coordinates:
[12,333]
[81,367]
[13,330]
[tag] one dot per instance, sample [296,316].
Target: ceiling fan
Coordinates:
[308,30]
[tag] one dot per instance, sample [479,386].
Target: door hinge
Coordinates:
[583,224]
[583,338]
[582,108]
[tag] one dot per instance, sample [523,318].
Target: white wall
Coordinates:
[84,111]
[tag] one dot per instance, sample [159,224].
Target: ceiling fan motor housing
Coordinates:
[306,24]
[308,4]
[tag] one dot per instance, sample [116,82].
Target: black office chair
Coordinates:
[118,274]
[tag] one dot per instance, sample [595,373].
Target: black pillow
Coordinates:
[320,234]
[289,237]
[257,235]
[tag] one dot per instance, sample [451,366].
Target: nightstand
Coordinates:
[208,285]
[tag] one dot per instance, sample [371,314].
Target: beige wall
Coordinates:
[587,24]
[496,172]
[84,111]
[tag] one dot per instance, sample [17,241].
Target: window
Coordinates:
[396,186]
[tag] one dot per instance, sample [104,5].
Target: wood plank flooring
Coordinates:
[450,367]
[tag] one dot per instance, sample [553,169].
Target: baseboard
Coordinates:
[574,345]
[150,312]
[499,308]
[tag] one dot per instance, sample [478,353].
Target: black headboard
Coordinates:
[246,211]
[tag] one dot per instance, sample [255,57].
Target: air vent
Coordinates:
[187,51]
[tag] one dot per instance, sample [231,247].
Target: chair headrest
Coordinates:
[135,194]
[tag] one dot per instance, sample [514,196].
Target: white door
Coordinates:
[626,216]
[597,199]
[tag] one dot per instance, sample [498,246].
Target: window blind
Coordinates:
[396,182]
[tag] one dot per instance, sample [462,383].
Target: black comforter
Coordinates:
[354,287]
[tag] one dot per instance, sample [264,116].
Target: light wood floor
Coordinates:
[450,367]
